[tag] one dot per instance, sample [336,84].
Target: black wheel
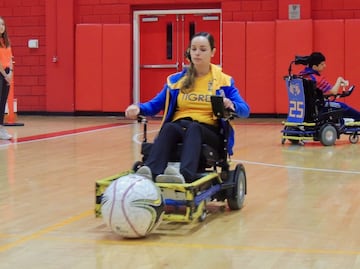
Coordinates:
[354,138]
[328,135]
[236,197]
[137,165]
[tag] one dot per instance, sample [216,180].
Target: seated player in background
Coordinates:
[316,65]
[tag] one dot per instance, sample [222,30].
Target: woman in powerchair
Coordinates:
[188,116]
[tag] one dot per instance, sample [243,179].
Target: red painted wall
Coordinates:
[59,58]
[102,67]
[260,76]
[44,86]
[88,75]
[233,54]
[351,58]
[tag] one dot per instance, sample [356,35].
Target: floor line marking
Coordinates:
[137,140]
[301,168]
[60,134]
[46,230]
[146,242]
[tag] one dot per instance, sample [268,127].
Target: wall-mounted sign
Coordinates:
[294,12]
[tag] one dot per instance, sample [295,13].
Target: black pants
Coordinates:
[4,93]
[192,135]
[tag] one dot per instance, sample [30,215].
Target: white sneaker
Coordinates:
[144,171]
[348,120]
[171,170]
[4,134]
[171,175]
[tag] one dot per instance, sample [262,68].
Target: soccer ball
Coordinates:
[132,206]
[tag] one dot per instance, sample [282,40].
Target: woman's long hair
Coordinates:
[6,40]
[189,79]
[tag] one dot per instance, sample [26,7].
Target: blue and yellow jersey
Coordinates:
[196,104]
[168,98]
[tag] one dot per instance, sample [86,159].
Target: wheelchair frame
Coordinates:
[306,121]
[186,202]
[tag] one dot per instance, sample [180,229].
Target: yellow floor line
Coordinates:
[146,242]
[35,235]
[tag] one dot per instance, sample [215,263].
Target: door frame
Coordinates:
[136,39]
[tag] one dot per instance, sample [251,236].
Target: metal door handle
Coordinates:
[159,66]
[185,65]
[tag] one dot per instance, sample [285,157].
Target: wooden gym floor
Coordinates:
[302,209]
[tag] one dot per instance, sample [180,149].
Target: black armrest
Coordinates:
[348,92]
[219,110]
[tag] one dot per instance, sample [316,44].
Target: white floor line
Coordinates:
[137,140]
[298,167]
[59,136]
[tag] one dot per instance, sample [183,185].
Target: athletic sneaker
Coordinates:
[348,120]
[145,172]
[4,134]
[171,175]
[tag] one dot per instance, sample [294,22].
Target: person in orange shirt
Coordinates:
[6,75]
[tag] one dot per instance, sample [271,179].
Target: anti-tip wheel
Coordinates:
[354,138]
